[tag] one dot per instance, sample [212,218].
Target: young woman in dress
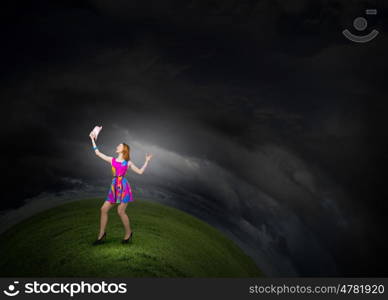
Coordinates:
[120,190]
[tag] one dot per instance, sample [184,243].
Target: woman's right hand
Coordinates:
[91,136]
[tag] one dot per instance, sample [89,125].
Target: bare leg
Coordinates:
[124,218]
[104,217]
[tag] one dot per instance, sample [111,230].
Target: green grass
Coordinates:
[166,243]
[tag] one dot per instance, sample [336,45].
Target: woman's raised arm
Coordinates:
[141,170]
[98,153]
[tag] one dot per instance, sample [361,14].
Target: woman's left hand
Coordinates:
[148,156]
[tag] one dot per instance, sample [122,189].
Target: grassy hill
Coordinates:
[166,243]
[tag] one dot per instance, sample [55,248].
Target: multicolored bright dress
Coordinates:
[120,189]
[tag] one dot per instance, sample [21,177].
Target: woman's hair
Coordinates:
[126,152]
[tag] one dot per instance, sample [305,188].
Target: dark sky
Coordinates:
[264,121]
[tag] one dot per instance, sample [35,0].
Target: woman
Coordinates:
[120,190]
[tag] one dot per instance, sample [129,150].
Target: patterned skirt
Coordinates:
[120,191]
